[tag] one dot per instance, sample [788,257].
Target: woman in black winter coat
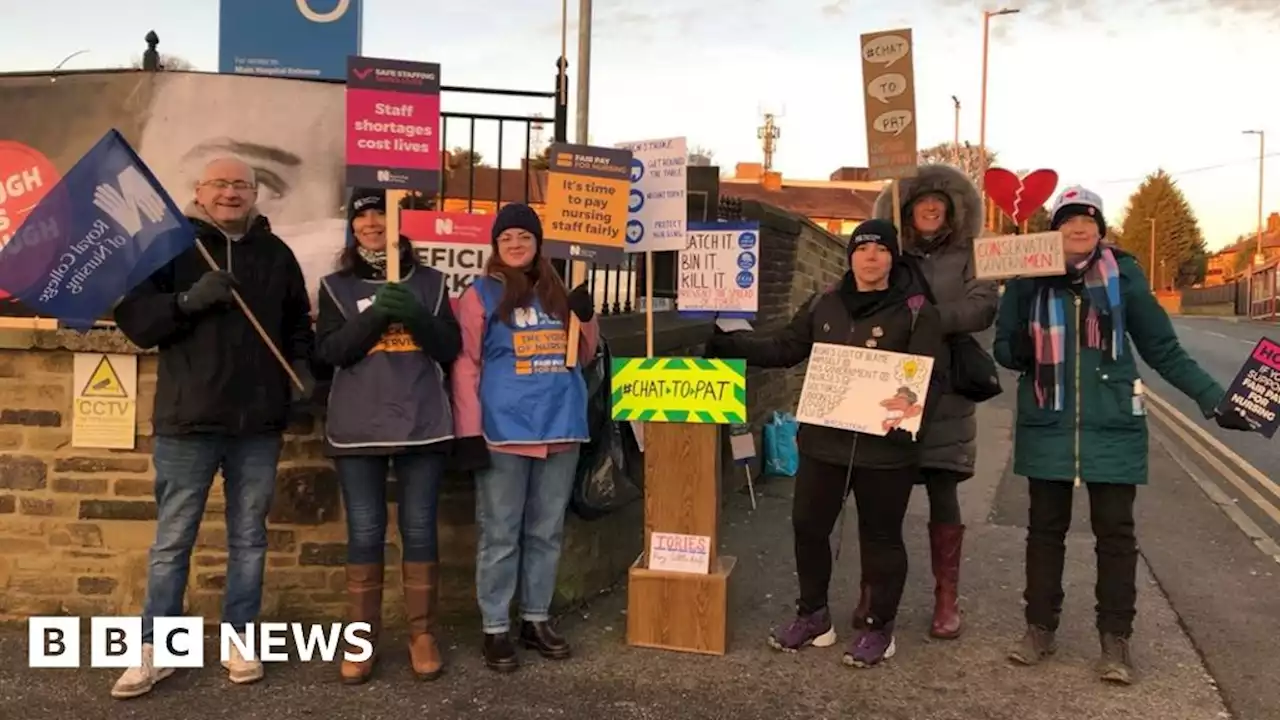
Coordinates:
[881,302]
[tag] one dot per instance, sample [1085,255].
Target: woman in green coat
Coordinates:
[1082,418]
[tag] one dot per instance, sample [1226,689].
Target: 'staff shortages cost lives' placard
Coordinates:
[393,124]
[587,190]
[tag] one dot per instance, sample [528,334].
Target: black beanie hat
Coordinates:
[881,232]
[520,216]
[366,199]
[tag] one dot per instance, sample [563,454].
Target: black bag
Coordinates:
[610,466]
[973,372]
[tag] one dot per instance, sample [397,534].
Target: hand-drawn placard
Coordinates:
[1255,393]
[1009,256]
[865,390]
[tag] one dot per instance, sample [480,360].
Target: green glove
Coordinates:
[399,303]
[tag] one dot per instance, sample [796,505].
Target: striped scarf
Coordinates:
[1103,325]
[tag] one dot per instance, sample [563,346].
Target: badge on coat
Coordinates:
[877,331]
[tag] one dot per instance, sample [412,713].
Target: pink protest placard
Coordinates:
[393,124]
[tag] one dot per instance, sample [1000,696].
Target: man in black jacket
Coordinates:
[222,398]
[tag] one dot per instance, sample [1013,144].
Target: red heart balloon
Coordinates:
[1019,198]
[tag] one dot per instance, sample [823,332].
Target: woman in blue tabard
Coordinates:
[521,416]
[389,343]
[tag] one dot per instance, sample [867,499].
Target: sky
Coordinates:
[1101,91]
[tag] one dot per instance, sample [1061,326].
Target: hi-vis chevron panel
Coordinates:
[680,390]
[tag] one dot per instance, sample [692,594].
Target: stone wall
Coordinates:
[76,524]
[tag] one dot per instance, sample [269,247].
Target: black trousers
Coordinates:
[943,487]
[1116,546]
[882,497]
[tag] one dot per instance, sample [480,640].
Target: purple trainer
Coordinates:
[872,646]
[813,629]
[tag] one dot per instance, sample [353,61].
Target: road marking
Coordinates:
[1256,534]
[1218,334]
[1244,465]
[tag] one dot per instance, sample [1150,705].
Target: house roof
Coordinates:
[1269,241]
[813,202]
[457,185]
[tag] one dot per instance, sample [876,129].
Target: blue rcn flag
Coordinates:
[102,230]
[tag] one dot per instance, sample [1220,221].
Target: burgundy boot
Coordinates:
[945,542]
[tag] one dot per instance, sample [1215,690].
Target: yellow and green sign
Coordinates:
[680,390]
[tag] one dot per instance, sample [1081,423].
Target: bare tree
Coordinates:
[700,156]
[969,159]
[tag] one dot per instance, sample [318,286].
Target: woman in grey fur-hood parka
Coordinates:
[942,213]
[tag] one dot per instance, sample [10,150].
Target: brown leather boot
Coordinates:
[945,543]
[364,604]
[421,599]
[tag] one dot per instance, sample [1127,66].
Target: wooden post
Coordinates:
[648,303]
[685,612]
[897,204]
[394,198]
[577,274]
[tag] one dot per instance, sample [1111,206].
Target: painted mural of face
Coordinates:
[288,132]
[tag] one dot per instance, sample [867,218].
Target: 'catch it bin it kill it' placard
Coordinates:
[679,390]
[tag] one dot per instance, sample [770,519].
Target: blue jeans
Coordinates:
[520,510]
[185,466]
[364,493]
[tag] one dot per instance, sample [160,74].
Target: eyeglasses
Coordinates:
[237,185]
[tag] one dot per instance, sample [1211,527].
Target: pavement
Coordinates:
[1208,608]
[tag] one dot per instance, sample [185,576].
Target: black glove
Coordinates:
[399,303]
[582,304]
[900,437]
[1023,349]
[1232,420]
[302,369]
[212,289]
[470,454]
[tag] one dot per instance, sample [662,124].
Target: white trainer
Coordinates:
[139,680]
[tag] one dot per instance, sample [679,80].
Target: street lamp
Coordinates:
[1262,154]
[1258,257]
[955,144]
[982,123]
[65,59]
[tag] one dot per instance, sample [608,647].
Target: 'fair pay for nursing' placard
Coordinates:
[657,205]
[719,271]
[863,389]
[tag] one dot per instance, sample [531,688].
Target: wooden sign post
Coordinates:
[889,96]
[392,125]
[677,594]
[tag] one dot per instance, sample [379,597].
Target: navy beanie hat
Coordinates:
[366,199]
[881,232]
[518,216]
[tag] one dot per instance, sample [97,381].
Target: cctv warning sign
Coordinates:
[105,408]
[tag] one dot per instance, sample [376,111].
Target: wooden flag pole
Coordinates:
[253,320]
[393,234]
